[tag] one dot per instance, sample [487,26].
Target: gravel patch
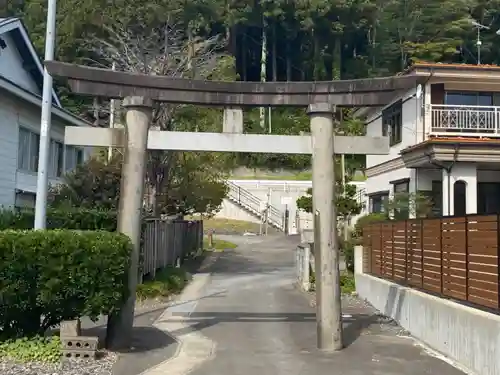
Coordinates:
[101,366]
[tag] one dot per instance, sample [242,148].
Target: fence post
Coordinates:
[406,252]
[466,258]
[441,249]
[393,226]
[156,235]
[498,257]
[422,252]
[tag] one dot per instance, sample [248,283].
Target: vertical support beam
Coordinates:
[138,118]
[232,120]
[328,306]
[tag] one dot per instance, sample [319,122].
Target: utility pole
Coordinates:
[111,118]
[45,122]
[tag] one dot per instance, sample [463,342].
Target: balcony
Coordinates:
[464,120]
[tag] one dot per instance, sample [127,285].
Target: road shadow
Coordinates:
[354,325]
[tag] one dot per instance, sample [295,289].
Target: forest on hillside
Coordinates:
[276,40]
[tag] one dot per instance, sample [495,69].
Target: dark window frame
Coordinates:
[392,122]
[401,213]
[380,198]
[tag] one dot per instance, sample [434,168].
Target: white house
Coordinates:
[445,140]
[21,79]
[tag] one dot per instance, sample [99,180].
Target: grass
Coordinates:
[230,226]
[347,282]
[33,349]
[218,245]
[166,282]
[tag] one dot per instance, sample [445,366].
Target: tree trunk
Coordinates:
[336,59]
[263,70]
[288,61]
[244,54]
[275,54]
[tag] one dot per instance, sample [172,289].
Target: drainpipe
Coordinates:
[448,169]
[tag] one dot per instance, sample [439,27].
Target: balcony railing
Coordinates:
[463,120]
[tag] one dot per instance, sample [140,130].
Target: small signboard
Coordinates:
[263,205]
[286,201]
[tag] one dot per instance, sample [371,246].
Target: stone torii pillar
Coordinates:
[328,302]
[138,118]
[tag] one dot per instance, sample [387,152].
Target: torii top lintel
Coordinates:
[348,93]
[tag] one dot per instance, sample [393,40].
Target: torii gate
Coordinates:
[140,91]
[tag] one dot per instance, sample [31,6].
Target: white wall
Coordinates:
[230,210]
[12,68]
[411,116]
[15,113]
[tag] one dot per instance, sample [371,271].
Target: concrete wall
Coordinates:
[277,189]
[230,210]
[468,337]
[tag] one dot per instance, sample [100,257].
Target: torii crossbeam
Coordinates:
[139,92]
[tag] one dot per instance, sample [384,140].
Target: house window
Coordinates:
[378,202]
[27,152]
[74,157]
[468,98]
[392,122]
[25,200]
[437,198]
[401,189]
[488,198]
[56,159]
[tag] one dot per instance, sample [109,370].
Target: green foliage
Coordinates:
[405,205]
[346,203]
[306,41]
[61,218]
[32,349]
[347,250]
[366,220]
[54,275]
[167,281]
[92,185]
[347,283]
[196,186]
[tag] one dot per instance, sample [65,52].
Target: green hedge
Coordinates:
[54,275]
[61,219]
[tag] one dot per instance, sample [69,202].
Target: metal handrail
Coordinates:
[246,198]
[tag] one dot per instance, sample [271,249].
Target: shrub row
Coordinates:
[54,275]
[61,218]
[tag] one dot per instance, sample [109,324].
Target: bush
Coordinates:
[54,275]
[61,219]
[347,249]
[167,281]
[365,220]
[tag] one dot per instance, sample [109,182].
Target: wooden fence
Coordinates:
[169,242]
[455,257]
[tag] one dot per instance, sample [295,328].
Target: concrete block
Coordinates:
[80,343]
[79,354]
[70,328]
